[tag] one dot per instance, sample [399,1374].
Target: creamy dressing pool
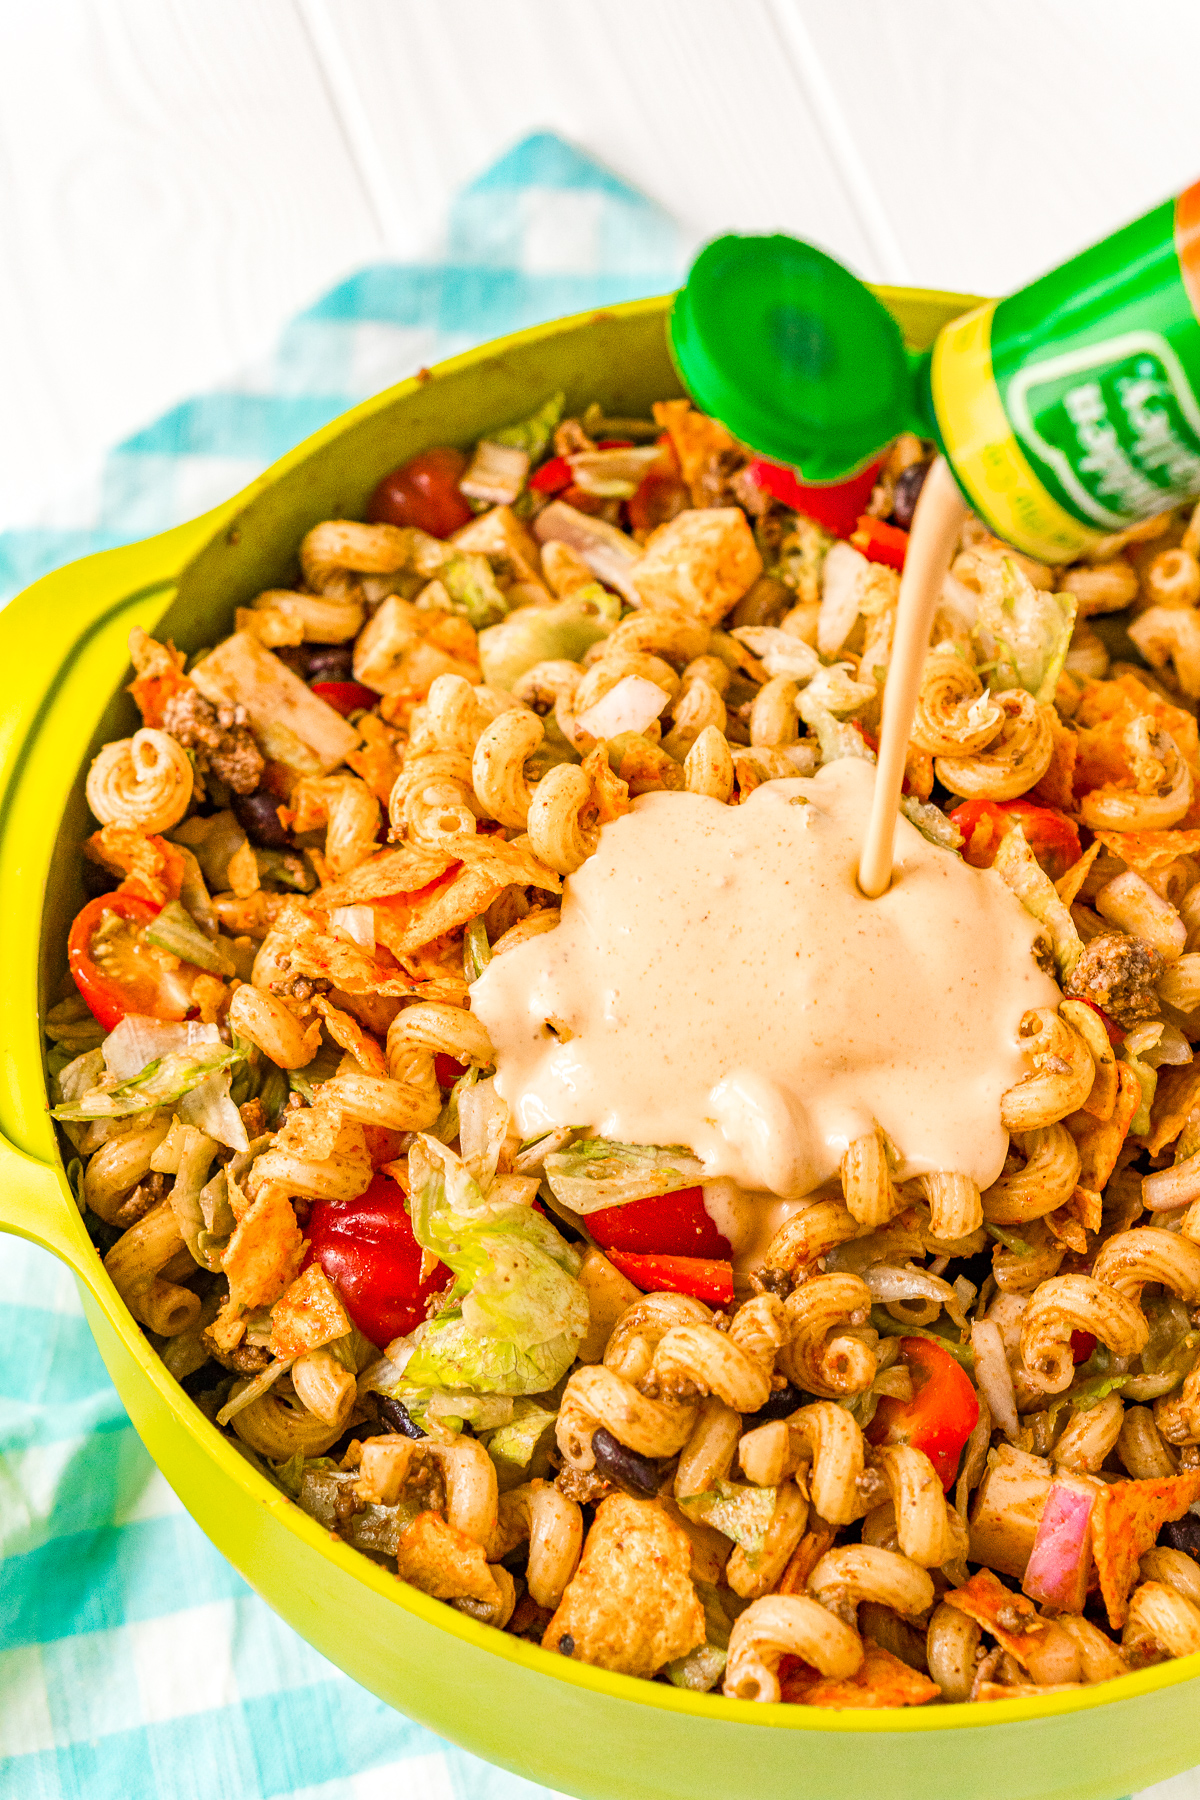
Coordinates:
[719,980]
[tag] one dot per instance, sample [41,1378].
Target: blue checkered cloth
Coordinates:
[135,1664]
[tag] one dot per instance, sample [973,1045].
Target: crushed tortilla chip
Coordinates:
[489,865]
[1066,1227]
[316,953]
[881,1680]
[1099,1141]
[265,1250]
[443,1561]
[1105,708]
[1149,851]
[1012,1619]
[153,868]
[1056,787]
[348,1034]
[159,675]
[1178,1091]
[378,760]
[243,872]
[227,1329]
[408,869]
[1067,886]
[307,1315]
[630,1605]
[694,438]
[1126,1521]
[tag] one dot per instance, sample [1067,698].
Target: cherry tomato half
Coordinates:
[879,542]
[447,1070]
[367,1249]
[1050,835]
[702,1277]
[835,505]
[345,696]
[941,1415]
[552,477]
[114,968]
[424,492]
[665,1225]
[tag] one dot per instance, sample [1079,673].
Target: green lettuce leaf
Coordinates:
[516,1313]
[743,1513]
[166,1079]
[534,433]
[1020,870]
[599,1172]
[1022,631]
[521,1448]
[535,634]
[471,585]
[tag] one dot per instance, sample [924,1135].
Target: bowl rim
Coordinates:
[186,543]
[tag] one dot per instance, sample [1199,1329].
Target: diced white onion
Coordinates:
[612,474]
[356,923]
[842,575]
[629,706]
[779,651]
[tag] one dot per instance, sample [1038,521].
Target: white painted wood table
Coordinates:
[177,177]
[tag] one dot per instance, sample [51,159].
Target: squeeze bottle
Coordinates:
[1067,412]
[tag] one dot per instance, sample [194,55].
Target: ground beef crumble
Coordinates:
[1120,975]
[219,736]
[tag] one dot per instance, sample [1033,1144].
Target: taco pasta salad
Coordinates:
[507,1121]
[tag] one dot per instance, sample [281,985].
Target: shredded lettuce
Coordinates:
[931,822]
[521,1448]
[161,1083]
[883,1322]
[534,433]
[210,1107]
[1020,870]
[1023,632]
[468,580]
[599,1172]
[323,1067]
[534,634]
[175,930]
[516,1313]
[743,1513]
[477,952]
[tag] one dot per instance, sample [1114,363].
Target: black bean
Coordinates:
[396,1414]
[906,493]
[295,657]
[329,662]
[201,1379]
[566,1644]
[779,1406]
[258,816]
[638,1475]
[1182,1534]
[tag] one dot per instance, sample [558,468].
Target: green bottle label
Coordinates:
[1070,410]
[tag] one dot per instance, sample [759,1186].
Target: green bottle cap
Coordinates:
[793,353]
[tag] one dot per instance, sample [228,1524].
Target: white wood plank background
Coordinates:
[177,178]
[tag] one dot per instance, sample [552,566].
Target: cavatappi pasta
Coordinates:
[918,1439]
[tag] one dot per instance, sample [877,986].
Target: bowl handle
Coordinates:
[34,1206]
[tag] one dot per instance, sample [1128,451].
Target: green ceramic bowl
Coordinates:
[63,645]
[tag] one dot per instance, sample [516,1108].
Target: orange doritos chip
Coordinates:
[1105,709]
[307,1315]
[694,437]
[1056,787]
[1012,1619]
[1067,886]
[882,1680]
[1126,1521]
[1178,1091]
[348,1034]
[377,760]
[1067,1228]
[153,869]
[1099,1141]
[407,869]
[1149,851]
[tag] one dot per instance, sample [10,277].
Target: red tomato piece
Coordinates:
[667,1224]
[424,492]
[880,543]
[447,1070]
[1082,1345]
[699,1276]
[835,505]
[941,1415]
[1051,836]
[114,968]
[552,477]
[367,1249]
[345,696]
[662,494]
